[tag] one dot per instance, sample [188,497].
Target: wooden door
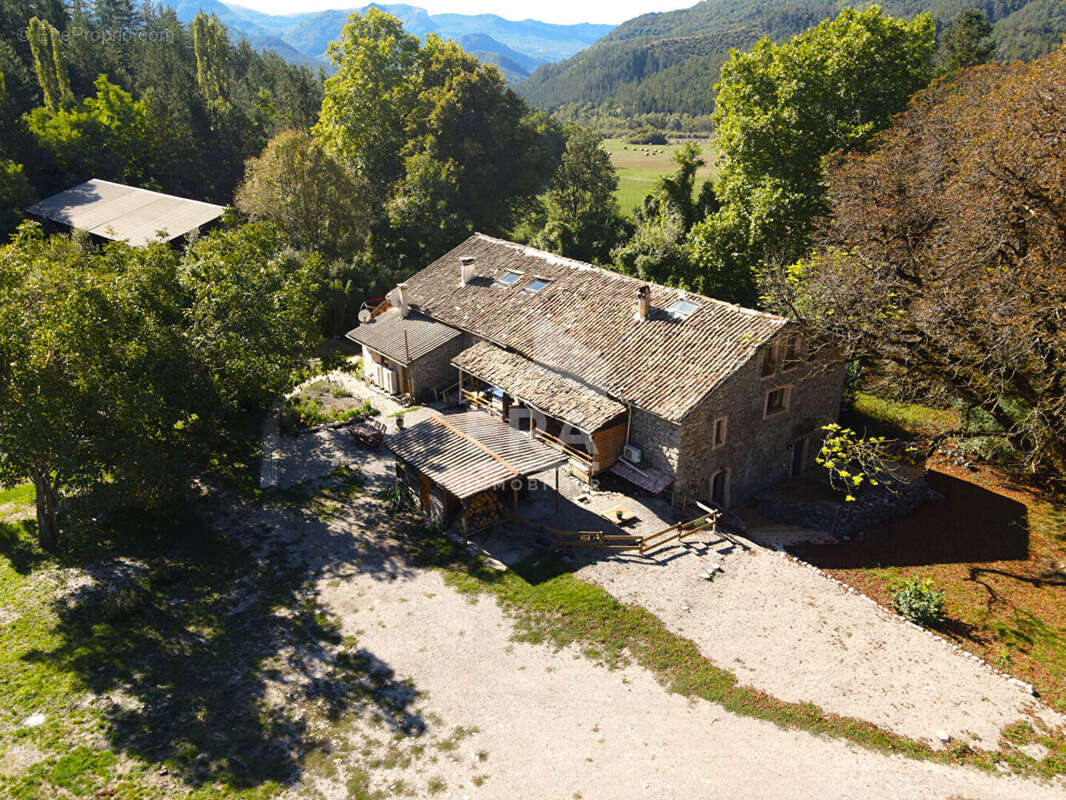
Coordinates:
[720,488]
[799,456]
[424,493]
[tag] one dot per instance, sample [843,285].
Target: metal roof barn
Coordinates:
[469,453]
[125,213]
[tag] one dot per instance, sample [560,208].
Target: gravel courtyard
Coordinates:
[546,723]
[783,628]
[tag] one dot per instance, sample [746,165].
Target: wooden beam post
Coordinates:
[557,489]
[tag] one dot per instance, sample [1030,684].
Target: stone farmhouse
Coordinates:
[665,388]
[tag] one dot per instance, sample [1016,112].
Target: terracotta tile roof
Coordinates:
[582,324]
[385,334]
[555,395]
[125,213]
[469,453]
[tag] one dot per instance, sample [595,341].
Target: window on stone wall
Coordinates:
[777,401]
[719,432]
[794,352]
[769,361]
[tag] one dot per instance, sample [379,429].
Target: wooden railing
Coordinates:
[641,544]
[680,531]
[475,398]
[558,444]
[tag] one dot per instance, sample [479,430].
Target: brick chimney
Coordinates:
[466,270]
[643,303]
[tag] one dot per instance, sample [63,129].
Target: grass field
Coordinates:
[637,171]
[22,494]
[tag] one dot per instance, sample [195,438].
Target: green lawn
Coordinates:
[637,171]
[21,495]
[907,417]
[164,696]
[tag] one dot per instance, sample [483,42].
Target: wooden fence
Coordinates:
[630,542]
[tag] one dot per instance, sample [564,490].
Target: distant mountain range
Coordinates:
[669,62]
[516,47]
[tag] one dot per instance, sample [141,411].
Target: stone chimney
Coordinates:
[643,303]
[401,299]
[466,270]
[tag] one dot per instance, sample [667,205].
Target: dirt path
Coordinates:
[554,724]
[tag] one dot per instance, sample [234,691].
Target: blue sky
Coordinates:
[560,11]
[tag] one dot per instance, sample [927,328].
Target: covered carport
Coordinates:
[469,467]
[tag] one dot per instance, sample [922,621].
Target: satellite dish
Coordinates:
[365,315]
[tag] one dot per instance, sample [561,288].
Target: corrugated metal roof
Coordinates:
[469,453]
[125,213]
[583,324]
[385,334]
[545,389]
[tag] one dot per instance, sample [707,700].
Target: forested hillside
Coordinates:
[669,62]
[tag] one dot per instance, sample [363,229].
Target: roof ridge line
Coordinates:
[474,441]
[142,189]
[550,257]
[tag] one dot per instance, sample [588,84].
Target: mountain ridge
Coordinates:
[668,62]
[518,47]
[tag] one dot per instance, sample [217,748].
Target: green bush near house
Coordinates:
[302,413]
[918,601]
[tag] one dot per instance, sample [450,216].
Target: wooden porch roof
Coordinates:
[549,391]
[471,452]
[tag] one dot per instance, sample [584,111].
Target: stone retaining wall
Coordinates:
[819,509]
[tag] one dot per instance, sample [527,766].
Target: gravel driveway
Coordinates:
[781,627]
[551,724]
[542,723]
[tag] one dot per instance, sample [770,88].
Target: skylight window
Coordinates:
[536,285]
[509,278]
[681,308]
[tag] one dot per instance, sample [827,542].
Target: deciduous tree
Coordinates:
[780,109]
[659,249]
[396,103]
[583,219]
[299,186]
[943,257]
[122,367]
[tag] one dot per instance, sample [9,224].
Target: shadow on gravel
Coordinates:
[212,653]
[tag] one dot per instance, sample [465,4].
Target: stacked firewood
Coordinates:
[484,509]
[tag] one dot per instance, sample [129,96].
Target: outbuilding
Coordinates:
[470,466]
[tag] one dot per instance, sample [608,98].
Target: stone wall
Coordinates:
[810,505]
[758,450]
[434,369]
[658,440]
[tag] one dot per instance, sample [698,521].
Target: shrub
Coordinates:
[646,136]
[302,413]
[918,601]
